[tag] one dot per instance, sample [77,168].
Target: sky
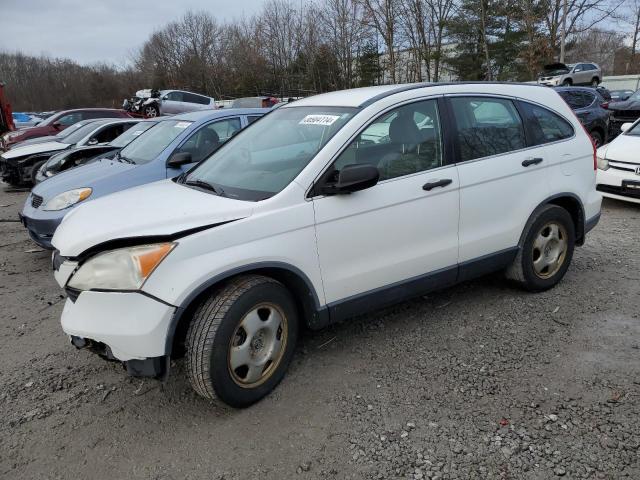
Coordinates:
[90,31]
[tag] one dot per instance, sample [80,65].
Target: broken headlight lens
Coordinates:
[121,269]
[67,199]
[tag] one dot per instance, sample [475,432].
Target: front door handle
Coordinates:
[436,183]
[531,161]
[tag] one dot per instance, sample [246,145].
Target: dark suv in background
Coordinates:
[591,109]
[58,122]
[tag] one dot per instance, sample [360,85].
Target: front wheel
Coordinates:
[151,111]
[241,340]
[566,83]
[546,252]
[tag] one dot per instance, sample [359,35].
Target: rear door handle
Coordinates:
[437,183]
[531,161]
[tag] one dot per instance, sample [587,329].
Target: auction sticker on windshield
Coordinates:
[319,120]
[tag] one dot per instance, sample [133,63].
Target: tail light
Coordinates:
[593,144]
[605,105]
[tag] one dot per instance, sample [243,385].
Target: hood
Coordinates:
[33,141]
[158,209]
[27,150]
[103,176]
[625,105]
[624,148]
[556,66]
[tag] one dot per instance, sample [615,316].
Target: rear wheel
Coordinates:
[595,82]
[546,252]
[241,340]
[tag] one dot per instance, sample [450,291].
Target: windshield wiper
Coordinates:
[205,185]
[121,158]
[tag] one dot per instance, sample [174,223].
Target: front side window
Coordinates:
[209,138]
[152,142]
[401,142]
[546,126]
[174,96]
[486,126]
[262,160]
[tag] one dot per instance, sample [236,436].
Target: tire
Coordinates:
[526,269]
[595,82]
[151,111]
[597,138]
[567,83]
[223,323]
[34,171]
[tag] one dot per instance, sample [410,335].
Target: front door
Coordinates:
[402,232]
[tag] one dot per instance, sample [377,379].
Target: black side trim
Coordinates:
[391,294]
[486,264]
[318,320]
[591,223]
[133,241]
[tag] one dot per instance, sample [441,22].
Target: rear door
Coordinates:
[502,178]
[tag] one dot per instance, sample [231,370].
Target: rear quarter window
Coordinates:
[544,125]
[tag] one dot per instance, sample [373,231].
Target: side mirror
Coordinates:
[626,126]
[57,125]
[178,159]
[92,141]
[352,178]
[166,97]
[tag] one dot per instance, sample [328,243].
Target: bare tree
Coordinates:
[383,16]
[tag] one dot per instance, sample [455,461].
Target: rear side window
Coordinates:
[577,99]
[252,118]
[486,126]
[193,98]
[545,126]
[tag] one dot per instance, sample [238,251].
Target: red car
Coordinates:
[6,120]
[57,122]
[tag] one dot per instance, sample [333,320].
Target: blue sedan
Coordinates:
[166,150]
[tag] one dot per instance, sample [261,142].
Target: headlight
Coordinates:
[122,269]
[603,163]
[66,199]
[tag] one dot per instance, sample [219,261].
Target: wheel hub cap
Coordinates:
[549,249]
[257,345]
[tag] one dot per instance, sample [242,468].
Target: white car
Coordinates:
[619,165]
[305,218]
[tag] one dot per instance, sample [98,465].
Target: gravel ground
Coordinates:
[477,381]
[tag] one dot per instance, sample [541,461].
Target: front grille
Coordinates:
[36,200]
[625,115]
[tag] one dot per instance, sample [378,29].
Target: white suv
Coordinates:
[323,209]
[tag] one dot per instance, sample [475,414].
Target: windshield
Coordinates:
[133,132]
[79,133]
[149,145]
[263,159]
[69,130]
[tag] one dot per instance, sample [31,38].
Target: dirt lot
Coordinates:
[477,381]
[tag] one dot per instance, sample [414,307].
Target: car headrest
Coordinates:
[404,130]
[210,136]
